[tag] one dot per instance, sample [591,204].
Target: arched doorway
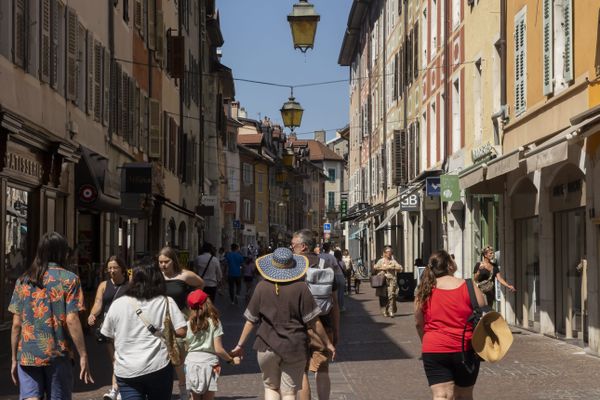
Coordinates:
[182,237]
[172,233]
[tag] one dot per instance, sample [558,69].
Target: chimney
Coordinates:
[235,107]
[320,136]
[242,113]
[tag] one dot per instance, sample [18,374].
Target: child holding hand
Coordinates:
[205,346]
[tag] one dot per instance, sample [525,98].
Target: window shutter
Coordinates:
[154,128]
[568,28]
[20,32]
[400,164]
[137,14]
[548,47]
[151,24]
[136,115]
[143,122]
[72,66]
[415,57]
[125,106]
[160,37]
[119,102]
[45,47]
[106,89]
[520,63]
[90,72]
[57,16]
[98,81]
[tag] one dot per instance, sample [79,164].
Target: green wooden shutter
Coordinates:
[520,62]
[90,72]
[72,45]
[154,130]
[106,89]
[548,47]
[568,29]
[46,43]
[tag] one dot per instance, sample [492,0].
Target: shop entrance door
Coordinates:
[528,270]
[570,250]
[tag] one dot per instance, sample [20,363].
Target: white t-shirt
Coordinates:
[137,351]
[331,261]
[213,275]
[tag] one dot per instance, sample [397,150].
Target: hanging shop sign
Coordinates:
[432,186]
[449,187]
[410,202]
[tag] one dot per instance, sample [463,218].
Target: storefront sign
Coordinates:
[449,188]
[23,165]
[411,202]
[209,200]
[138,179]
[432,186]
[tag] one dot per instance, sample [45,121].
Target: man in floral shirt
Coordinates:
[45,304]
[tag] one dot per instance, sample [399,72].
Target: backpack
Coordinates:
[320,283]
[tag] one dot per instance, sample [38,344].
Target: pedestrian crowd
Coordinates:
[159,320]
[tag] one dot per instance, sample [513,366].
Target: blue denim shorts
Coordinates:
[55,381]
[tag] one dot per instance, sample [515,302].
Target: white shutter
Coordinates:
[90,73]
[72,39]
[568,29]
[46,24]
[106,89]
[520,62]
[548,47]
[155,133]
[98,81]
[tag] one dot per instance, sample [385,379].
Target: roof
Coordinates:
[352,35]
[318,151]
[250,139]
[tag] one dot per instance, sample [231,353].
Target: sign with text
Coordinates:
[410,202]
[327,227]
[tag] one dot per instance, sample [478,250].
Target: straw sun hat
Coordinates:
[492,337]
[282,266]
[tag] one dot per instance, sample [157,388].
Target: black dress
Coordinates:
[484,274]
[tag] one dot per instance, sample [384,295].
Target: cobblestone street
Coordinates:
[378,358]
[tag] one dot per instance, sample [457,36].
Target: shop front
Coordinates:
[34,173]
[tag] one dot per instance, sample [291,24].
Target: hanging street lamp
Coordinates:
[291,112]
[303,22]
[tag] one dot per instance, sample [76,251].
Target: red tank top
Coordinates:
[445,314]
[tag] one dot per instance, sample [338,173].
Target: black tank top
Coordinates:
[178,291]
[111,293]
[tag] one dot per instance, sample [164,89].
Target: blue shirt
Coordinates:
[234,262]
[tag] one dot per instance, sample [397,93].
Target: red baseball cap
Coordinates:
[196,299]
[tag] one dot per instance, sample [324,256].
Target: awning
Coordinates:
[471,177]
[176,207]
[503,165]
[390,214]
[357,235]
[94,184]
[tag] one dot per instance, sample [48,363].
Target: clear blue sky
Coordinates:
[258,46]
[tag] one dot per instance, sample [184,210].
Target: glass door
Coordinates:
[569,244]
[528,270]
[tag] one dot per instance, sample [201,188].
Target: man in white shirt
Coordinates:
[208,267]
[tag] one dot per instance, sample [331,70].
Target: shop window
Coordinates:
[16,251]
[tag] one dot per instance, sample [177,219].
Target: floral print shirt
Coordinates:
[43,312]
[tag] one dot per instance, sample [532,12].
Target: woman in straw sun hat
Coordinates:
[442,308]
[283,308]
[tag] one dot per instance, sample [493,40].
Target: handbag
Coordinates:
[378,281]
[175,350]
[487,285]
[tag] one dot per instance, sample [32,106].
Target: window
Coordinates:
[557,30]
[433,137]
[456,135]
[247,174]
[455,13]
[433,29]
[126,10]
[478,109]
[331,200]
[331,174]
[259,182]
[231,180]
[520,35]
[259,211]
[247,210]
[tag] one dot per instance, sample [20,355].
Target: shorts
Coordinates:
[319,355]
[280,375]
[200,372]
[449,367]
[54,380]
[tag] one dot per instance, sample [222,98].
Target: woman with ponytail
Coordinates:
[442,307]
[204,347]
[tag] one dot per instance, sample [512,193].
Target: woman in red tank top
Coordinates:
[442,307]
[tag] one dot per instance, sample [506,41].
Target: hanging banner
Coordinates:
[432,186]
[450,190]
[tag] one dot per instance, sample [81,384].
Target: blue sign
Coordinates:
[327,227]
[433,187]
[236,224]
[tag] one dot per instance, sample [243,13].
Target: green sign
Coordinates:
[343,207]
[450,190]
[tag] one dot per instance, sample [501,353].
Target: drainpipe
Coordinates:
[503,112]
[447,115]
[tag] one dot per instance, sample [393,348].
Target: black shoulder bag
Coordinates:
[207,265]
[476,315]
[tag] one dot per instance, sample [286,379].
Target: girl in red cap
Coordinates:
[204,347]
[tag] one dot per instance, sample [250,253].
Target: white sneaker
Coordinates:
[112,394]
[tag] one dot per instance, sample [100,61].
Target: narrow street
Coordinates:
[378,358]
